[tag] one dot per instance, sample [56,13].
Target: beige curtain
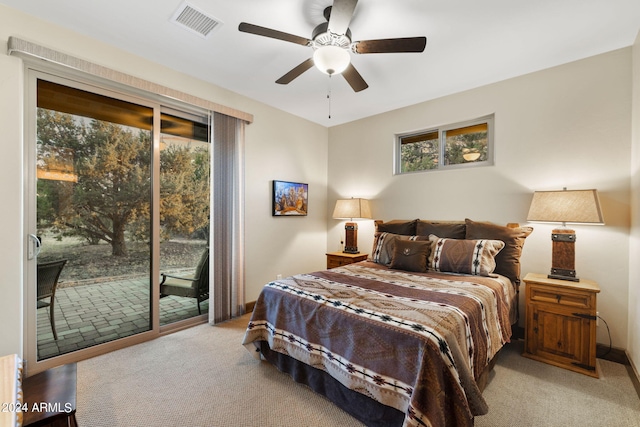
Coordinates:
[226,290]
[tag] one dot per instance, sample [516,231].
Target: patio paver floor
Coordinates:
[91,314]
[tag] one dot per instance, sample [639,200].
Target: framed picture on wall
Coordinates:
[289,198]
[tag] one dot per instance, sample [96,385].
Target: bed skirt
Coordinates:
[363,408]
[359,406]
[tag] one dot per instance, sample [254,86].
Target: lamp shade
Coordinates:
[573,206]
[352,209]
[331,59]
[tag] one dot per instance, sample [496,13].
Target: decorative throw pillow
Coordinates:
[475,257]
[410,255]
[448,229]
[398,226]
[383,244]
[508,260]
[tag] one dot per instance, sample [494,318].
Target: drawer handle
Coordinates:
[558,297]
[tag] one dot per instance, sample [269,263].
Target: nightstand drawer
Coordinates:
[561,296]
[333,262]
[339,259]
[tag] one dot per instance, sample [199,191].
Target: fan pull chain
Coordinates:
[329,95]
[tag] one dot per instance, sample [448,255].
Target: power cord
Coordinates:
[609,333]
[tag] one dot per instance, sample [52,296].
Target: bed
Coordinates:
[406,338]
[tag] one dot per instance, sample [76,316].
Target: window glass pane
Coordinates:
[184,217]
[93,169]
[465,145]
[65,99]
[190,129]
[419,152]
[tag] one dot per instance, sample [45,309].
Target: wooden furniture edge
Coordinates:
[54,392]
[11,372]
[448,221]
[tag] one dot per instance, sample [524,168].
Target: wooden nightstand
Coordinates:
[338,259]
[54,394]
[561,323]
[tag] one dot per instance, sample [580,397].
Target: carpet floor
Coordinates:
[202,376]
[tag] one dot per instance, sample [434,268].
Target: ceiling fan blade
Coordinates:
[407,44]
[288,78]
[274,34]
[341,14]
[354,78]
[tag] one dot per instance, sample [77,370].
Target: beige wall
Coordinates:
[278,146]
[565,126]
[633,347]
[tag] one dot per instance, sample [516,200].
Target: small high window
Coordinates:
[453,146]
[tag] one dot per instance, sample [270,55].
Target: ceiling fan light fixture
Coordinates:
[331,59]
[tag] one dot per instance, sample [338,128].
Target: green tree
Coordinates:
[114,185]
[184,190]
[418,156]
[458,145]
[111,199]
[56,134]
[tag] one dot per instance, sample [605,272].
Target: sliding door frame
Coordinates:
[65,76]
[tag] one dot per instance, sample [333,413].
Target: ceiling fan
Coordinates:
[331,42]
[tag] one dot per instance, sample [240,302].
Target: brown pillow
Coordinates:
[508,260]
[398,226]
[452,230]
[475,257]
[410,255]
[383,244]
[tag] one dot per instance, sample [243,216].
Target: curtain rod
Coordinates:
[23,48]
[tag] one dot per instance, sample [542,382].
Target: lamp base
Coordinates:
[351,238]
[558,273]
[563,255]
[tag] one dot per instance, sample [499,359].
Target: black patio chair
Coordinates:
[194,286]
[48,275]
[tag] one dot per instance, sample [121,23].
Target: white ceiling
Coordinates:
[470,43]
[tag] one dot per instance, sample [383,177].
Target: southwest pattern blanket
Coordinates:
[415,342]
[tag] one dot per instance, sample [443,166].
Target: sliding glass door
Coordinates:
[184,216]
[117,211]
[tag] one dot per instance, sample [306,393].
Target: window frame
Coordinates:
[489,120]
[160,105]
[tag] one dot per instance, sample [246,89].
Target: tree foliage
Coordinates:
[419,156]
[459,145]
[425,154]
[111,199]
[184,199]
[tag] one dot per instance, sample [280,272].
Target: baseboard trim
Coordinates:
[614,354]
[248,307]
[619,355]
[635,376]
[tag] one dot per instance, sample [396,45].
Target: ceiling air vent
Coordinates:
[195,20]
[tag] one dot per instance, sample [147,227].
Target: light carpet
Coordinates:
[203,376]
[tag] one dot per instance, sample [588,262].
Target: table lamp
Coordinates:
[565,206]
[351,209]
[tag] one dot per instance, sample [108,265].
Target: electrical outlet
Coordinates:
[278,276]
[597,318]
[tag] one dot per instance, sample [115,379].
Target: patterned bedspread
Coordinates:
[415,342]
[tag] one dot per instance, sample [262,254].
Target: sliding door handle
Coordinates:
[33,246]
